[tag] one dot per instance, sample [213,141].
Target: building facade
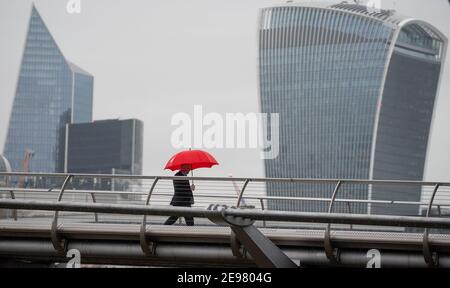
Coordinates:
[50,93]
[105,147]
[355,91]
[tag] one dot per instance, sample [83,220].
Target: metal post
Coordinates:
[14,211]
[58,243]
[349,207]
[331,253]
[234,242]
[242,193]
[94,201]
[262,207]
[431,258]
[147,248]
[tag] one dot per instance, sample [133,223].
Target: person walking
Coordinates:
[182,195]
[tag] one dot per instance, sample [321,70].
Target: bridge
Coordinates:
[236,223]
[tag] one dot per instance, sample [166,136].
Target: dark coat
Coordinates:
[182,192]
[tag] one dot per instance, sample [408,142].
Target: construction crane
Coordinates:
[25,166]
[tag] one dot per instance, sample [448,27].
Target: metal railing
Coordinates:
[232,197]
[143,196]
[238,197]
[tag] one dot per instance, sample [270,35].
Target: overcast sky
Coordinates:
[154,58]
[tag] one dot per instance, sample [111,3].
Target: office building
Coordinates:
[51,92]
[355,90]
[105,147]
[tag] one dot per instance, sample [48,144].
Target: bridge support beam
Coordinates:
[263,251]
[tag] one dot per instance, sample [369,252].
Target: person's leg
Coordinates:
[189,221]
[171,220]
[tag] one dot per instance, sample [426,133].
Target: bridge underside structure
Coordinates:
[224,236]
[209,247]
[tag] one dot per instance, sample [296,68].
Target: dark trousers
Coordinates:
[173,219]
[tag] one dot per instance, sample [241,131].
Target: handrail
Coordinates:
[315,199]
[231,179]
[281,216]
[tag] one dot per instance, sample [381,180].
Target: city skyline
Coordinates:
[233,75]
[225,134]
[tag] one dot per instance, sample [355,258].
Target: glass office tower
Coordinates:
[355,91]
[50,92]
[105,147]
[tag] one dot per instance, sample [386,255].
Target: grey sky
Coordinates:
[154,58]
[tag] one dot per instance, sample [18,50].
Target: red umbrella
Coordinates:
[195,158]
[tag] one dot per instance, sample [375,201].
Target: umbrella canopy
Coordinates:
[195,158]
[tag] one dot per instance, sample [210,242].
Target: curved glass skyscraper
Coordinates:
[50,93]
[355,90]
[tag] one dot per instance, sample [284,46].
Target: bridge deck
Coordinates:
[215,234]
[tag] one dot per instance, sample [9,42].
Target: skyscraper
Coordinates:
[355,89]
[50,92]
[105,147]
